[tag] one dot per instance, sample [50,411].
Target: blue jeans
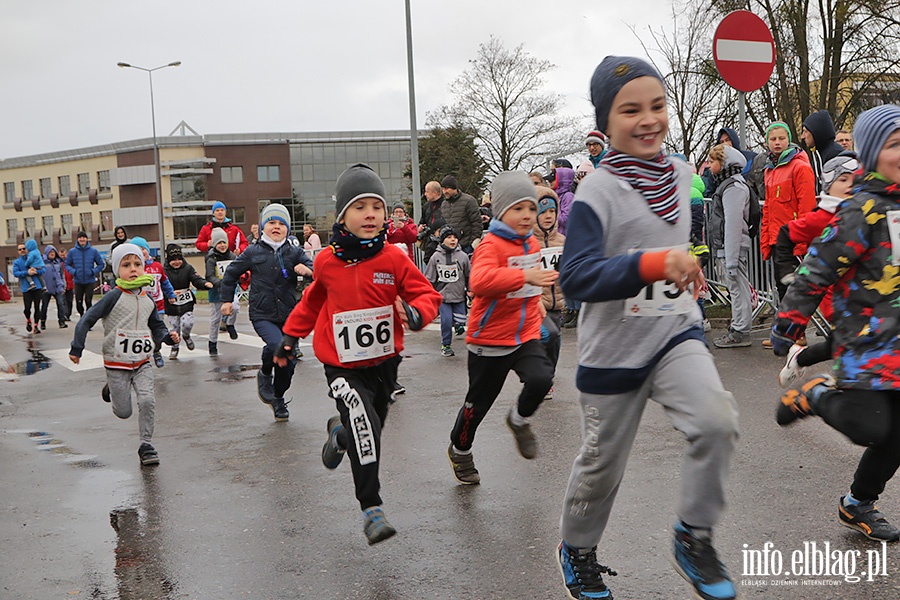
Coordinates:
[452,313]
[270,333]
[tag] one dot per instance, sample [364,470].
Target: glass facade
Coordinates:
[315,167]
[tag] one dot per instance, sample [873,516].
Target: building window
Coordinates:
[45,187]
[106,220]
[103,180]
[188,187]
[27,189]
[236,215]
[48,225]
[66,222]
[9,191]
[86,222]
[267,173]
[232,174]
[84,183]
[12,228]
[188,226]
[29,227]
[64,188]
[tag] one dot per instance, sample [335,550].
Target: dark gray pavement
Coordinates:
[241,506]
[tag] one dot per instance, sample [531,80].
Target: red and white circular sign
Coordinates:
[744,51]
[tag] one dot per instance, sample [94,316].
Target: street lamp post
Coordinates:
[159,205]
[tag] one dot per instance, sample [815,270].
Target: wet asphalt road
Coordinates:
[241,506]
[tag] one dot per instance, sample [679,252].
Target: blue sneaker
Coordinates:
[582,574]
[376,526]
[158,360]
[695,559]
[332,454]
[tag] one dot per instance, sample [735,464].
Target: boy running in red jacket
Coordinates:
[363,294]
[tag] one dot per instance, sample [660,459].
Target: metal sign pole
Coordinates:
[742,119]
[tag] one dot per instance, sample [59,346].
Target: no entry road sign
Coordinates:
[744,51]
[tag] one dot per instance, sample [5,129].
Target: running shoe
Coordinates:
[696,560]
[148,454]
[447,351]
[792,372]
[158,360]
[795,404]
[525,440]
[189,342]
[332,453]
[265,387]
[376,526]
[463,467]
[868,520]
[582,574]
[732,339]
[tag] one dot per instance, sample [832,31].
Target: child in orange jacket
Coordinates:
[505,322]
[357,305]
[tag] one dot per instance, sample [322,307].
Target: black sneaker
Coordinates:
[173,353]
[376,526]
[696,560]
[265,388]
[28,326]
[525,440]
[232,332]
[868,520]
[63,324]
[582,574]
[795,403]
[189,342]
[148,454]
[332,453]
[213,349]
[463,467]
[104,393]
[459,329]
[279,408]
[43,324]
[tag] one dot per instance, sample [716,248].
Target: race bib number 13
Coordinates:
[364,334]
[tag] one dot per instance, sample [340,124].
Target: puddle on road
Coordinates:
[233,373]
[37,362]
[140,569]
[46,442]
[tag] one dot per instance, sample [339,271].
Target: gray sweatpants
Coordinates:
[686,383]
[215,317]
[183,324]
[739,291]
[120,383]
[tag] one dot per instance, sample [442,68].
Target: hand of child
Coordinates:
[281,361]
[398,306]
[175,337]
[171,300]
[209,285]
[302,270]
[541,277]
[75,359]
[227,308]
[682,269]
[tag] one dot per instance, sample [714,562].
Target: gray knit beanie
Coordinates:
[275,212]
[218,235]
[120,252]
[871,131]
[610,76]
[358,181]
[509,188]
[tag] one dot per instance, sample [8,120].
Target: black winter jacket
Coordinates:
[273,280]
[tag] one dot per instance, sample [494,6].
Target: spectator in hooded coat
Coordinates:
[818,137]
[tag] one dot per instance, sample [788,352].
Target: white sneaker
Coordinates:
[792,371]
[706,326]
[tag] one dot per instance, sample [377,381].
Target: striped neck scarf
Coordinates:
[655,180]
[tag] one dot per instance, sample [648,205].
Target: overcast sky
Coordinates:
[275,65]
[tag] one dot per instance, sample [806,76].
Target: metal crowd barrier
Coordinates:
[762,278]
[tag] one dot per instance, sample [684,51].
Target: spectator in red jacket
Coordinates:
[402,231]
[237,241]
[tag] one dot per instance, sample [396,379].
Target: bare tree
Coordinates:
[699,101]
[838,55]
[501,98]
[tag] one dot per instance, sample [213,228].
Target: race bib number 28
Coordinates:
[364,334]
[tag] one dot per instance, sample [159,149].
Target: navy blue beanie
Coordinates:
[871,131]
[610,76]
